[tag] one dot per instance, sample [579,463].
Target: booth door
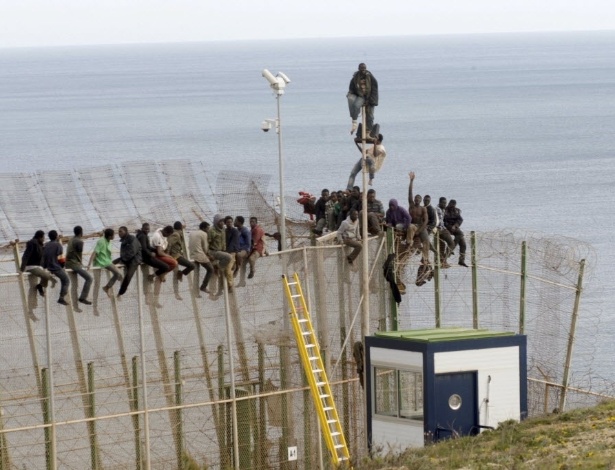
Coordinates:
[456,403]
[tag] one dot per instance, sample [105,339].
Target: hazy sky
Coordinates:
[63,22]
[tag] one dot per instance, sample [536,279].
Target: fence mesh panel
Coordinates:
[96,354]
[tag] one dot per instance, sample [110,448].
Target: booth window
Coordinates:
[398,393]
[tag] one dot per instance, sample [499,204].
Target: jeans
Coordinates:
[357,245]
[355,103]
[209,272]
[357,169]
[85,291]
[44,277]
[189,267]
[158,265]
[117,275]
[64,281]
[129,271]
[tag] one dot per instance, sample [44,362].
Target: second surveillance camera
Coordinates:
[266,126]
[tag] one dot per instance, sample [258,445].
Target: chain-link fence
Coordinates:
[149,379]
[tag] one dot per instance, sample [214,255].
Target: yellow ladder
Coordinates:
[315,373]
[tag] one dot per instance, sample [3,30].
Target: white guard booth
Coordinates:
[428,385]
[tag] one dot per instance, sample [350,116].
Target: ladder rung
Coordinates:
[294,296]
[316,371]
[303,320]
[305,333]
[320,384]
[292,283]
[324,396]
[310,345]
[311,358]
[336,433]
[331,421]
[342,458]
[327,408]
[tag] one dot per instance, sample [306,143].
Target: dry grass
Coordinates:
[580,439]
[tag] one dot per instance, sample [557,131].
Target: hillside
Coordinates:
[580,439]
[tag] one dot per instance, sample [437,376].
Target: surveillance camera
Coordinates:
[270,78]
[284,77]
[266,126]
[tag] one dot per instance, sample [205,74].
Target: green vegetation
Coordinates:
[580,439]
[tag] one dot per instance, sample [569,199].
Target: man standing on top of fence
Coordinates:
[362,91]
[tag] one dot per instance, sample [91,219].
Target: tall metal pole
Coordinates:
[281,171]
[364,234]
[143,371]
[53,463]
[229,342]
[365,258]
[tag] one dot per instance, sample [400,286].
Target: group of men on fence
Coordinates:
[227,249]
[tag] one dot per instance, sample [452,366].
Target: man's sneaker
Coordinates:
[180,276]
[354,127]
[250,274]
[108,291]
[39,288]
[62,301]
[53,283]
[85,301]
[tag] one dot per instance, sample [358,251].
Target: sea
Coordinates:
[518,128]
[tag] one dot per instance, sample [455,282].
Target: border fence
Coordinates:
[143,384]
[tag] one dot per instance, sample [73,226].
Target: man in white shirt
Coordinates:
[374,158]
[348,234]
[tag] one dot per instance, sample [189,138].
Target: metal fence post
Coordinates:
[474,282]
[522,289]
[143,371]
[573,327]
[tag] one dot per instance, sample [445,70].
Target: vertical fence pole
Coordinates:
[522,289]
[91,412]
[474,282]
[143,372]
[178,412]
[571,334]
[232,374]
[436,283]
[262,416]
[225,456]
[50,392]
[25,300]
[134,406]
[5,460]
[46,420]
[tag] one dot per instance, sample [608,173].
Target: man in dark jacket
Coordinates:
[130,257]
[51,252]
[31,263]
[362,91]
